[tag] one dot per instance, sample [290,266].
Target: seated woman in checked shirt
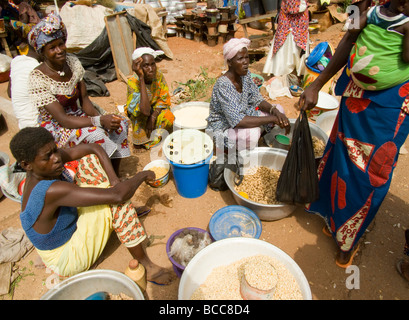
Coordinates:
[238,112]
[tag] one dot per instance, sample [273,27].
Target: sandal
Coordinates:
[326,231]
[142,211]
[346,265]
[399,268]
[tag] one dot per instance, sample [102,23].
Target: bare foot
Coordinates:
[157,274]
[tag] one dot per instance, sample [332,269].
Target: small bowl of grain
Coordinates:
[161,169]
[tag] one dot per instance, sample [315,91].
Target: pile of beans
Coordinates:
[260,184]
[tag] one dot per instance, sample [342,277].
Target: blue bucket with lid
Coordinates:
[191,179]
[189,152]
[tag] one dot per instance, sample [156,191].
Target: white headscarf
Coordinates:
[233,46]
[146,50]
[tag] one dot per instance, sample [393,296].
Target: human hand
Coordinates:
[150,175]
[150,123]
[282,120]
[308,98]
[136,67]
[111,122]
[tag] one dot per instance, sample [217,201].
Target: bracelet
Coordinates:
[96,121]
[272,108]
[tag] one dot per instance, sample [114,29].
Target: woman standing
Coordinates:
[148,102]
[291,40]
[57,89]
[372,124]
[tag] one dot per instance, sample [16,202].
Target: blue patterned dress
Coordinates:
[228,106]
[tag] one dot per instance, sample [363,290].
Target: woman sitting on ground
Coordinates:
[238,112]
[69,223]
[57,89]
[148,102]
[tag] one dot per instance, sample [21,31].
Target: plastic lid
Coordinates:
[283,139]
[316,54]
[187,146]
[234,221]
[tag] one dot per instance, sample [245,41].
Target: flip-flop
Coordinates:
[140,212]
[346,265]
[399,268]
[326,231]
[157,283]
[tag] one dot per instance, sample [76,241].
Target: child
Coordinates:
[380,56]
[70,223]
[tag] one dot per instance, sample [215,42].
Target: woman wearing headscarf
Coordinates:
[148,99]
[57,89]
[238,112]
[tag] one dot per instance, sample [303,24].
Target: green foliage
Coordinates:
[345,5]
[197,89]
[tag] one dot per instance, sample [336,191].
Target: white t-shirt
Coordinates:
[25,112]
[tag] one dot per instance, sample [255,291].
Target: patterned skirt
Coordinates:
[362,151]
[94,226]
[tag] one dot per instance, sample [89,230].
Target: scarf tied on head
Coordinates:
[233,46]
[139,52]
[48,29]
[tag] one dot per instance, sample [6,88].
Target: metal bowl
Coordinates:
[315,130]
[271,158]
[83,285]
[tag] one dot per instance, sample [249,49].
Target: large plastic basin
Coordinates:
[227,251]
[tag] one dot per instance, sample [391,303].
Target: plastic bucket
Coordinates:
[256,7]
[247,9]
[191,179]
[311,73]
[310,76]
[269,5]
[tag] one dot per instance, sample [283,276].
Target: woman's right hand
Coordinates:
[136,67]
[150,175]
[110,121]
[308,98]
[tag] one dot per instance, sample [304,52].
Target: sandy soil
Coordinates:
[299,235]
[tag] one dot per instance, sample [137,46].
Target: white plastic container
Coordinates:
[227,251]
[191,115]
[326,121]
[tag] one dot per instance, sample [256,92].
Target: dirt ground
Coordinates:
[299,234]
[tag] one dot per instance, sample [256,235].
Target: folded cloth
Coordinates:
[14,245]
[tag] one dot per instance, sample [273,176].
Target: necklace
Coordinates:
[60,73]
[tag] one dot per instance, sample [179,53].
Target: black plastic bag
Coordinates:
[298,181]
[216,179]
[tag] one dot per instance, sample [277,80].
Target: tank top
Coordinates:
[64,227]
